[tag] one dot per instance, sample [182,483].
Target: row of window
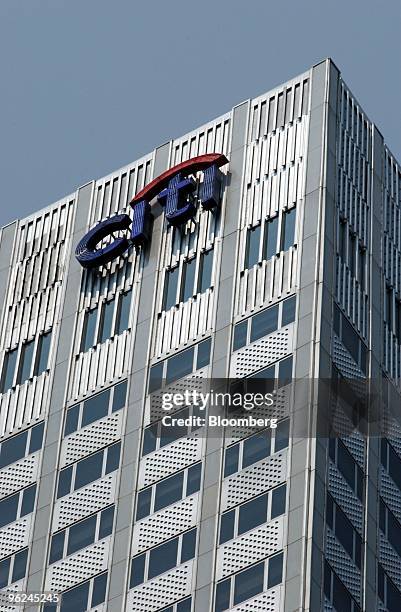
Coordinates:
[337,593]
[347,465]
[25,361]
[275,376]
[162,558]
[13,568]
[81,534]
[255,448]
[392,312]
[253,513]
[82,597]
[264,323]
[387,591]
[185,605]
[391,461]
[95,408]
[187,280]
[268,239]
[169,490]
[88,470]
[182,364]
[390,526]
[349,337]
[21,445]
[106,320]
[352,253]
[18,505]
[344,531]
[158,435]
[248,583]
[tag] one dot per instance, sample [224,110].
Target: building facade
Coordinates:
[296,270]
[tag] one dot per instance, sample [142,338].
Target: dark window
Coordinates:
[222,596]
[350,339]
[88,337]
[278,501]
[203,358]
[28,500]
[88,470]
[124,307]
[106,522]
[205,272]
[8,510]
[57,547]
[143,503]
[288,312]
[240,334]
[25,363]
[137,570]
[180,365]
[81,535]
[227,526]
[113,457]
[288,235]
[285,372]
[194,478]
[270,245]
[19,569]
[155,377]
[36,440]
[168,491]
[188,281]
[119,396]
[162,558]
[95,408]
[275,570]
[4,571]
[344,531]
[149,439]
[64,482]
[10,361]
[106,321]
[252,514]
[248,583]
[13,449]
[171,433]
[264,323]
[255,448]
[71,420]
[252,247]
[75,599]
[42,359]
[282,433]
[170,288]
[188,545]
[341,598]
[99,590]
[185,605]
[231,460]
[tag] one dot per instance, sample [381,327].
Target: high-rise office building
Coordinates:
[266,242]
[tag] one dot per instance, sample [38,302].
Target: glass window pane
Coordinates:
[81,535]
[149,439]
[113,457]
[341,598]
[240,333]
[106,321]
[194,478]
[203,358]
[119,396]
[8,510]
[248,583]
[288,229]
[252,246]
[19,569]
[10,361]
[99,590]
[75,599]
[256,448]
[231,460]
[4,571]
[42,360]
[185,605]
[252,514]
[180,365]
[162,558]
[281,435]
[344,531]
[188,545]
[155,377]
[264,323]
[106,522]
[88,470]
[28,500]
[168,491]
[71,420]
[88,337]
[278,501]
[57,547]
[285,372]
[25,364]
[137,570]
[227,526]
[206,266]
[95,408]
[346,464]
[275,570]
[271,230]
[170,433]
[64,482]
[13,449]
[36,440]
[222,596]
[124,308]
[170,288]
[143,503]
[188,281]
[288,313]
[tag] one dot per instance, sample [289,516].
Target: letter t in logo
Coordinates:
[178,208]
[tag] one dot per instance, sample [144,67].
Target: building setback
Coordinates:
[296,271]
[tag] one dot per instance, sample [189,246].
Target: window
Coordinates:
[169,491]
[347,465]
[264,323]
[42,357]
[288,229]
[170,288]
[24,443]
[95,408]
[391,461]
[89,469]
[288,311]
[106,321]
[81,534]
[270,242]
[344,531]
[203,357]
[252,246]
[10,362]
[25,364]
[387,591]
[179,365]
[123,312]
[337,593]
[162,558]
[85,596]
[350,339]
[18,505]
[88,336]
[158,435]
[188,282]
[205,271]
[184,605]
[248,583]
[13,568]
[390,526]
[240,335]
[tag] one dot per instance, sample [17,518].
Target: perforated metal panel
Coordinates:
[161,591]
[254,480]
[24,404]
[389,560]
[343,360]
[79,567]
[19,475]
[165,524]
[270,601]
[261,353]
[15,536]
[390,493]
[346,498]
[343,565]
[168,460]
[91,438]
[85,501]
[14,587]
[250,547]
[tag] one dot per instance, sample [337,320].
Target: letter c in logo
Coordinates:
[86,252]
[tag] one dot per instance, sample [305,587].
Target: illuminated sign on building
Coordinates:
[172,189]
